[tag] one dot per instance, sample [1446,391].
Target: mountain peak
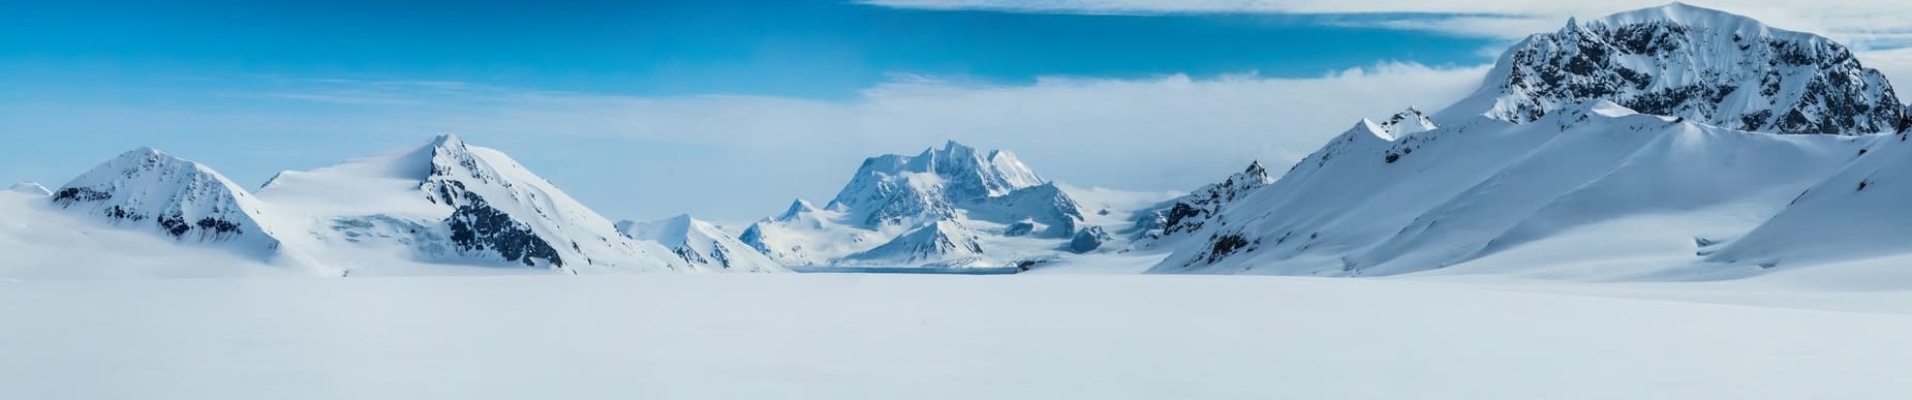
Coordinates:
[447,140]
[700,243]
[1255,168]
[1701,64]
[30,187]
[182,199]
[923,181]
[797,207]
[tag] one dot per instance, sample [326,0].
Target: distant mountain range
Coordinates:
[1673,141]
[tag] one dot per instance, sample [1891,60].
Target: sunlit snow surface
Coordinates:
[845,336]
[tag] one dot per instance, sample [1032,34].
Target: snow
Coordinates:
[1617,149]
[42,242]
[848,336]
[30,187]
[703,243]
[1708,65]
[954,206]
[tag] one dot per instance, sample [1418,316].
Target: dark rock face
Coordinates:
[67,196]
[200,206]
[992,185]
[1728,71]
[476,227]
[1089,239]
[1192,212]
[1020,228]
[1222,246]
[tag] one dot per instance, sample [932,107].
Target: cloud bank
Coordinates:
[1166,133]
[1862,23]
[745,157]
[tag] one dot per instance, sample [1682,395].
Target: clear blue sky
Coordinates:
[81,80]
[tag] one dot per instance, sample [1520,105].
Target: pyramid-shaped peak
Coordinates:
[797,207]
[1255,168]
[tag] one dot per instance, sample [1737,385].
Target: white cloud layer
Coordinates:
[1168,133]
[1864,23]
[744,157]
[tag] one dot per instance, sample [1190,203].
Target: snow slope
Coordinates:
[1563,177]
[844,336]
[155,192]
[1858,213]
[447,203]
[44,242]
[701,243]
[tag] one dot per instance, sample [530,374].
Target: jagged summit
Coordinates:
[701,243]
[958,170]
[1195,210]
[1691,62]
[918,205]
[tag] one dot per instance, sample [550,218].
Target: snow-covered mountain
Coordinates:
[702,243]
[1707,65]
[1615,148]
[447,202]
[1858,212]
[30,187]
[1191,212]
[148,190]
[953,206]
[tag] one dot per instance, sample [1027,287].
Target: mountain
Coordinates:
[940,242]
[948,206]
[1858,212]
[1191,212]
[904,190]
[447,202]
[701,243]
[148,190]
[29,187]
[1621,148]
[1695,63]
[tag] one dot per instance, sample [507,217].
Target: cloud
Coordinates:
[745,157]
[1165,133]
[1864,23]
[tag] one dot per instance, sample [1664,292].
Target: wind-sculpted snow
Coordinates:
[1720,69]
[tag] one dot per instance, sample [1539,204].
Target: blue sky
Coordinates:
[725,109]
[808,48]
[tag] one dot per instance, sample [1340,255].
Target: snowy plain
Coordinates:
[870,336]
